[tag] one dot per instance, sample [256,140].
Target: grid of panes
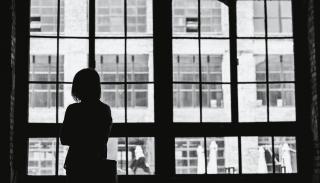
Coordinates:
[201,97]
[110,16]
[279,16]
[129,92]
[185,16]
[222,155]
[43,17]
[265,61]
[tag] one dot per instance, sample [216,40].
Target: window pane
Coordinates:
[140,103]
[42,103]
[109,17]
[216,106]
[43,60]
[285,154]
[282,102]
[250,18]
[281,68]
[141,155]
[41,156]
[215,60]
[185,18]
[110,59]
[43,17]
[252,100]
[139,17]
[279,18]
[256,155]
[74,19]
[214,18]
[222,155]
[65,99]
[139,60]
[189,155]
[185,60]
[62,157]
[75,53]
[113,95]
[186,103]
[251,58]
[117,151]
[281,60]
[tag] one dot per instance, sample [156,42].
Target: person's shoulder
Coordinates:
[73,106]
[104,105]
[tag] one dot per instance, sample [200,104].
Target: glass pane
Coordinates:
[43,60]
[141,155]
[42,103]
[139,60]
[113,95]
[281,60]
[214,18]
[75,53]
[256,155]
[109,17]
[65,99]
[185,18]
[222,155]
[250,18]
[186,103]
[140,103]
[216,103]
[110,59]
[185,60]
[282,102]
[279,17]
[43,17]
[41,156]
[74,18]
[215,60]
[189,155]
[117,151]
[285,154]
[62,157]
[139,17]
[251,60]
[252,100]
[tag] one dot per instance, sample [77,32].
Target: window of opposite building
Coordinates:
[207,90]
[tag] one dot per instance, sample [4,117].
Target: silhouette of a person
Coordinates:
[86,128]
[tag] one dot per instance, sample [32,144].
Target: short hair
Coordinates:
[86,85]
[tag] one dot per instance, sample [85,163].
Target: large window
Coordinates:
[215,86]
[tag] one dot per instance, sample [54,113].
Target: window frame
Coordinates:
[163,123]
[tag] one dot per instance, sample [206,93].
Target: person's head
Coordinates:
[86,85]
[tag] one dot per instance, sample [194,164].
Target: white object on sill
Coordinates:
[213,103]
[279,102]
[259,103]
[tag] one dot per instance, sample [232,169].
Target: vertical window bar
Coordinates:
[125,67]
[33,76]
[199,58]
[240,154]
[178,86]
[273,155]
[127,156]
[267,57]
[57,87]
[92,29]
[117,104]
[233,61]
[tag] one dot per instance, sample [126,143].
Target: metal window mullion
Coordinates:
[125,66]
[273,155]
[57,86]
[92,29]
[267,58]
[234,72]
[199,60]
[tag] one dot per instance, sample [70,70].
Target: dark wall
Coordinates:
[314,56]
